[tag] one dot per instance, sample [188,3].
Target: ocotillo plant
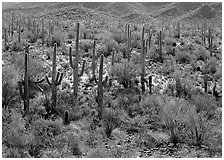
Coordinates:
[56,79]
[66,118]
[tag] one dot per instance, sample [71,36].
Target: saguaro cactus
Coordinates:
[128,45]
[27,84]
[93,61]
[56,79]
[66,120]
[205,82]
[12,24]
[99,98]
[150,84]
[5,39]
[178,29]
[75,65]
[143,63]
[19,37]
[210,39]
[160,46]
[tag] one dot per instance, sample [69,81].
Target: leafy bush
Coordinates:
[210,66]
[32,38]
[16,46]
[118,35]
[154,54]
[183,57]
[110,120]
[174,117]
[86,44]
[101,49]
[59,37]
[126,73]
[10,78]
[201,54]
[111,44]
[71,34]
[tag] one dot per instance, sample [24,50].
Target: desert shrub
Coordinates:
[170,41]
[201,54]
[183,57]
[17,46]
[118,35]
[15,136]
[32,38]
[59,37]
[110,119]
[154,54]
[186,33]
[10,78]
[199,127]
[104,35]
[168,50]
[174,117]
[168,65]
[111,44]
[210,66]
[86,44]
[101,49]
[135,58]
[204,103]
[126,73]
[71,34]
[135,39]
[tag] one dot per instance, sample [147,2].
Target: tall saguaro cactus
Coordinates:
[93,61]
[160,46]
[143,66]
[5,39]
[19,37]
[99,98]
[210,39]
[26,85]
[56,79]
[128,45]
[75,66]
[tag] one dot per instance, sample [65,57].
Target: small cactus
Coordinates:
[206,82]
[150,84]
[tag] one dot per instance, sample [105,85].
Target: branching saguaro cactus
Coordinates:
[56,79]
[75,66]
[12,24]
[101,83]
[26,85]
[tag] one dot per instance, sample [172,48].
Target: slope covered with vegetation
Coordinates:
[92,80]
